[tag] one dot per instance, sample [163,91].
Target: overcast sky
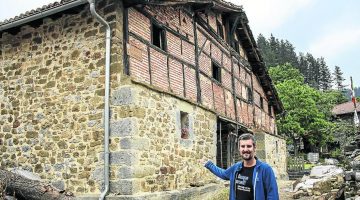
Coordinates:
[327,28]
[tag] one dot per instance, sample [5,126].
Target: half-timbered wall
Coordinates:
[181,71]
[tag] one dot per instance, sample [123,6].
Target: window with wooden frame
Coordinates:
[158,36]
[216,72]
[261,102]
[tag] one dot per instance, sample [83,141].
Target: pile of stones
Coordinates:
[324,182]
[352,175]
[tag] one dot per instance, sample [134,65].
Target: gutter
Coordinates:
[42,14]
[107,94]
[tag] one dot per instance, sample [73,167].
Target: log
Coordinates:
[24,188]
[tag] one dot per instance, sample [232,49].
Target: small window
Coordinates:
[220,29]
[261,103]
[158,36]
[270,110]
[184,120]
[235,46]
[249,94]
[216,72]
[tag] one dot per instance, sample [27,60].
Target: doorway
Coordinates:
[226,146]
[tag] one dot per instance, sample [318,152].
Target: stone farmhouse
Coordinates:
[124,97]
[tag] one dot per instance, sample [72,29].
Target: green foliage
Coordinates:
[315,71]
[328,100]
[304,84]
[338,78]
[336,153]
[309,166]
[285,72]
[307,110]
[343,132]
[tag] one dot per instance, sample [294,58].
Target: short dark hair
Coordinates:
[247,136]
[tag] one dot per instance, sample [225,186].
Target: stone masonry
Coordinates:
[51,91]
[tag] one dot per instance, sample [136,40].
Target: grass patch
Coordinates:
[308,165]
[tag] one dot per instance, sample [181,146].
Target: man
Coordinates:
[250,179]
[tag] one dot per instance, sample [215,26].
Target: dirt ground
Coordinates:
[285,191]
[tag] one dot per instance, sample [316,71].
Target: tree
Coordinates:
[307,109]
[303,117]
[303,66]
[267,52]
[338,78]
[287,54]
[284,72]
[313,71]
[325,79]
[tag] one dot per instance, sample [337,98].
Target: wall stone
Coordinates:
[272,150]
[51,94]
[160,159]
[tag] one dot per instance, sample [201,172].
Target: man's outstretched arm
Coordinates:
[217,171]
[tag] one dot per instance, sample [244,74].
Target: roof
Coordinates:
[345,108]
[39,13]
[242,28]
[218,3]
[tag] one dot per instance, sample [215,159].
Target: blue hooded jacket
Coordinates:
[265,186]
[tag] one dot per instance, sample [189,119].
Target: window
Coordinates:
[158,36]
[184,120]
[235,46]
[216,72]
[270,110]
[220,29]
[261,103]
[249,94]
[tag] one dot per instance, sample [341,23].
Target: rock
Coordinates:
[331,161]
[325,171]
[355,164]
[299,194]
[323,186]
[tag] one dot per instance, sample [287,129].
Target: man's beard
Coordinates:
[248,157]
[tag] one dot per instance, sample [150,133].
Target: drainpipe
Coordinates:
[107,92]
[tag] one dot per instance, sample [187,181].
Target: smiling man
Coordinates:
[250,179]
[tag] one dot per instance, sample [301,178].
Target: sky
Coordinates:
[324,28]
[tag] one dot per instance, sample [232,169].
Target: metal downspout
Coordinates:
[107,94]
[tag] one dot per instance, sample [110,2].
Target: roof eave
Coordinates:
[40,14]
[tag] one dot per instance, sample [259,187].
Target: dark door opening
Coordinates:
[227,152]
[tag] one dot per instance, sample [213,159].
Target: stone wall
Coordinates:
[51,91]
[272,150]
[148,153]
